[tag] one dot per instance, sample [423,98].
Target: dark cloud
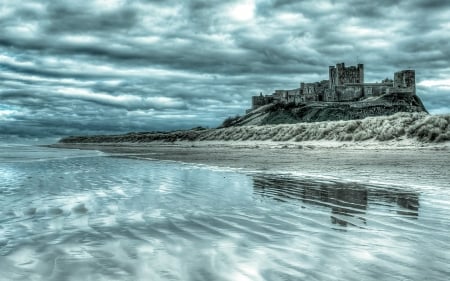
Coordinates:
[78,18]
[430,4]
[105,66]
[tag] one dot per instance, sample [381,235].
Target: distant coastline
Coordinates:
[341,109]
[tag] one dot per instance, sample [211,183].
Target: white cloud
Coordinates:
[439,83]
[127,101]
[242,10]
[5,113]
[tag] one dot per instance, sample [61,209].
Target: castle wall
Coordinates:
[322,87]
[309,91]
[349,92]
[288,96]
[294,96]
[258,101]
[330,95]
[279,93]
[314,91]
[376,89]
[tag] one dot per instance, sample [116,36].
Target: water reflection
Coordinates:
[348,202]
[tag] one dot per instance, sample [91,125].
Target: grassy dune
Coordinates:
[423,127]
[419,126]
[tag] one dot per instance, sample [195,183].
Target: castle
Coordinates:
[345,84]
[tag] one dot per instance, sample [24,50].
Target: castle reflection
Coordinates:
[348,201]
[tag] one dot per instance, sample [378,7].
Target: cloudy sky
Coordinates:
[112,66]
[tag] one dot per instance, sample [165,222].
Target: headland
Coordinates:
[344,96]
[328,113]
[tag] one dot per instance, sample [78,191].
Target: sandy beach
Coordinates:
[284,209]
[393,163]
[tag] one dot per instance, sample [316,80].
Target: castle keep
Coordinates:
[345,84]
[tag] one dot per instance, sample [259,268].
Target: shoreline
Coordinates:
[396,144]
[371,164]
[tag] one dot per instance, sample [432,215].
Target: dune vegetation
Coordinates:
[418,126]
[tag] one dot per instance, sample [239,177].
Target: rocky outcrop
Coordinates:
[289,113]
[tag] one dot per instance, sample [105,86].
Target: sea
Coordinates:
[88,215]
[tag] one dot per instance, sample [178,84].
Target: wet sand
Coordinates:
[72,214]
[405,165]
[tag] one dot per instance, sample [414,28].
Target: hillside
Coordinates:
[316,112]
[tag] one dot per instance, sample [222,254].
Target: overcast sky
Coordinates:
[112,66]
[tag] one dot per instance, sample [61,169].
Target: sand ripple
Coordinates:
[108,218]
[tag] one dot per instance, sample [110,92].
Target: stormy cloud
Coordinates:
[114,66]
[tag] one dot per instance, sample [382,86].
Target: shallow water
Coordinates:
[83,215]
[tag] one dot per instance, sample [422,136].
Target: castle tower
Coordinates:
[361,73]
[405,79]
[340,74]
[332,76]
